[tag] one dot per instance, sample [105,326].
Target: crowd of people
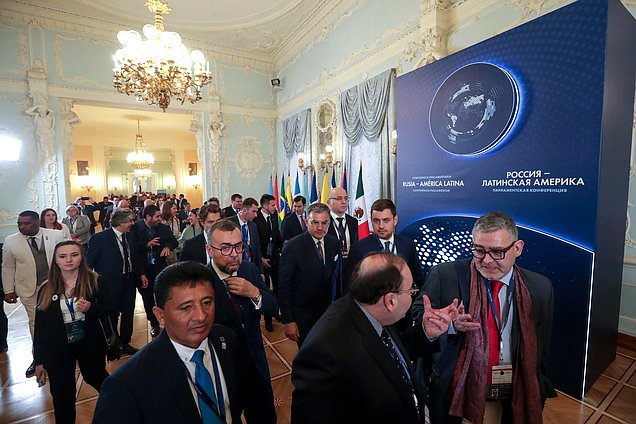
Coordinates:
[377,341]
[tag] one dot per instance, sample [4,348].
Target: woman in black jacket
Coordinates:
[67,329]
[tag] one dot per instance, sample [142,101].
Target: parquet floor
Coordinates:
[611,400]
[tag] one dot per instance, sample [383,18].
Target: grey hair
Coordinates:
[494,221]
[121,215]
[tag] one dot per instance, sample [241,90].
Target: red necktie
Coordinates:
[493,332]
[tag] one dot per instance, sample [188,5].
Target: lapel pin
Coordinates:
[223,345]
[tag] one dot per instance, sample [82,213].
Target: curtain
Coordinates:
[364,107]
[296,132]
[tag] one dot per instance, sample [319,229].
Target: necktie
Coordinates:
[386,339]
[493,332]
[204,382]
[387,246]
[34,243]
[124,244]
[320,252]
[303,225]
[342,234]
[235,305]
[245,241]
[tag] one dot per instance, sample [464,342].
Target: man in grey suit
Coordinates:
[26,259]
[483,350]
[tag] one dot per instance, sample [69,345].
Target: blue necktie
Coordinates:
[203,380]
[245,241]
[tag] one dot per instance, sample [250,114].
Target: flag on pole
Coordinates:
[344,179]
[314,191]
[297,187]
[361,209]
[333,178]
[288,195]
[303,186]
[324,195]
[281,200]
[276,193]
[271,186]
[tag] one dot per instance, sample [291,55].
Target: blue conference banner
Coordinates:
[515,124]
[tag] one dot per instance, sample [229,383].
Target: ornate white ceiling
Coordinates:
[258,29]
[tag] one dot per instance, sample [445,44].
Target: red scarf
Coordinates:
[469,385]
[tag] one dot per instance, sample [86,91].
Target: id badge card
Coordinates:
[270,250]
[74,331]
[501,387]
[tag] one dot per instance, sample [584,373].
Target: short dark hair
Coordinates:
[214,199]
[209,208]
[383,204]
[121,215]
[300,198]
[189,273]
[224,225]
[249,202]
[30,214]
[266,198]
[236,195]
[377,274]
[150,210]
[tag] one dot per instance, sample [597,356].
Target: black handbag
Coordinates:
[113,342]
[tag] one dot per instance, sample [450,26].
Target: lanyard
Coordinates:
[218,410]
[506,307]
[69,305]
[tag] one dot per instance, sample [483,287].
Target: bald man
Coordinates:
[343,226]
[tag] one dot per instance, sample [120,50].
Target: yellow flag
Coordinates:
[326,189]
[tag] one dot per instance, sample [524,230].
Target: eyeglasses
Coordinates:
[339,198]
[496,254]
[411,291]
[226,249]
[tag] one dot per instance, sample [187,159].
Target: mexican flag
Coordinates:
[361,209]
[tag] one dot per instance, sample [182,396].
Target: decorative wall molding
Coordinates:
[244,101]
[59,63]
[249,158]
[21,52]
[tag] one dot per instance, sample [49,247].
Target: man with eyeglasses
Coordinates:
[309,275]
[343,226]
[355,367]
[241,299]
[503,355]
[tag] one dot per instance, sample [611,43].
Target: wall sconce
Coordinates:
[326,160]
[301,163]
[114,189]
[394,141]
[196,186]
[87,187]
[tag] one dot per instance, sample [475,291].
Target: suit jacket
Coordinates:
[138,238]
[228,211]
[265,233]
[451,280]
[248,331]
[82,227]
[405,248]
[104,257]
[305,284]
[50,346]
[194,250]
[255,242]
[152,385]
[344,355]
[19,273]
[290,227]
[352,228]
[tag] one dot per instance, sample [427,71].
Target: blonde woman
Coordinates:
[67,330]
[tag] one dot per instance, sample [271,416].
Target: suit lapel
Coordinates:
[223,304]
[173,370]
[311,252]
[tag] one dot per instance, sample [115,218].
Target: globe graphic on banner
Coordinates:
[474,109]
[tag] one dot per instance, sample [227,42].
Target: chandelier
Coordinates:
[139,159]
[156,69]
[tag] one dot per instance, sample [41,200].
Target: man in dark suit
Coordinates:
[309,275]
[235,207]
[384,220]
[109,254]
[188,373]
[271,244]
[194,249]
[354,366]
[521,331]
[87,206]
[151,241]
[294,223]
[241,299]
[102,207]
[343,226]
[182,201]
[245,221]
